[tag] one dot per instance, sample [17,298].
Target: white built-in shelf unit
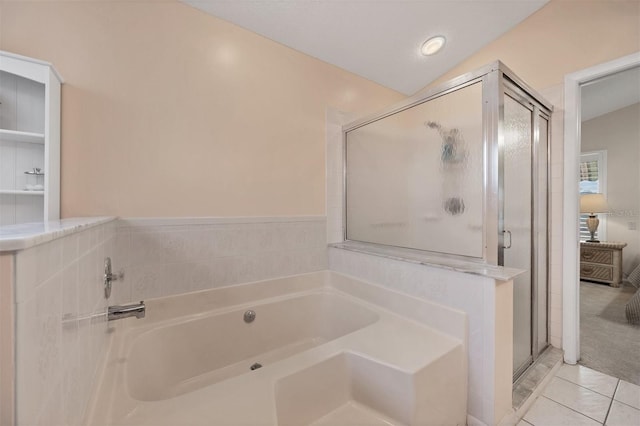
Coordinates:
[29,140]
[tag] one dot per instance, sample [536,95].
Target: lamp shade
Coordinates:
[593,203]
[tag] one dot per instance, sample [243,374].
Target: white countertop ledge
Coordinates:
[25,235]
[436,260]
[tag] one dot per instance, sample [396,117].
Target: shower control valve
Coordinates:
[109,277]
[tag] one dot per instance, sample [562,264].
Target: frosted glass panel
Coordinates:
[415,178]
[517,221]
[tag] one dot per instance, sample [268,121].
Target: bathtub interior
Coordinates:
[171,360]
[353,352]
[362,390]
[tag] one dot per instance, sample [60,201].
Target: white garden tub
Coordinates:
[322,349]
[173,359]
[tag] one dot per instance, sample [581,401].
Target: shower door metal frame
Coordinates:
[538,112]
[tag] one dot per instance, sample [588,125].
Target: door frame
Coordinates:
[570,239]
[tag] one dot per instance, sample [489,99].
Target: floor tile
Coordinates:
[582,400]
[588,378]
[545,412]
[623,415]
[628,393]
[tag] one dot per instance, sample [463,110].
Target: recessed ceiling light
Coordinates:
[433,45]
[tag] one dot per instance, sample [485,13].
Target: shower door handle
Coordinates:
[504,233]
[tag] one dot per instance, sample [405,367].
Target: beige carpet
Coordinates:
[607,342]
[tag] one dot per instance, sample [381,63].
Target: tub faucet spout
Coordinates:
[124,311]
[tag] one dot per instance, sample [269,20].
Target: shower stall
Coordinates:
[461,172]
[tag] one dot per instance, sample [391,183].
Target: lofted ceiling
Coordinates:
[378,39]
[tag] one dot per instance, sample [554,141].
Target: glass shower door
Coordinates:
[517,223]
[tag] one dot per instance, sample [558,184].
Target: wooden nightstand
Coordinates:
[602,262]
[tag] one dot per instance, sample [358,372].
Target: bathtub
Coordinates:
[218,346]
[321,348]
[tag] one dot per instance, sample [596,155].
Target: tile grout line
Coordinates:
[624,403]
[574,410]
[611,402]
[595,391]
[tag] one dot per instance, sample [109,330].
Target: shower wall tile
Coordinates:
[162,257]
[554,94]
[60,325]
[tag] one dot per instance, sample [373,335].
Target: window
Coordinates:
[593,180]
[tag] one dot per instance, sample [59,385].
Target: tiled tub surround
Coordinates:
[330,346]
[168,256]
[54,287]
[487,303]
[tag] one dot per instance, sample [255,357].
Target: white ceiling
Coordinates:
[610,93]
[378,39]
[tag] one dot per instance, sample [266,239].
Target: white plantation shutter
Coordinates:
[592,181]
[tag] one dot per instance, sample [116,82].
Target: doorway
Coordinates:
[574,84]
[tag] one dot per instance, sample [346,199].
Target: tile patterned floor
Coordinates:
[578,395]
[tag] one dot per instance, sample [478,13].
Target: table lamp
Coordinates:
[592,204]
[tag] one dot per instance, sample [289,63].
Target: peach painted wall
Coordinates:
[168,111]
[562,37]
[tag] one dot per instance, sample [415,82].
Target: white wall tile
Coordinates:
[69,249]
[145,248]
[122,255]
[60,325]
[229,241]
[38,349]
[27,270]
[53,410]
[72,387]
[84,242]
[161,260]
[146,281]
[70,308]
[555,340]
